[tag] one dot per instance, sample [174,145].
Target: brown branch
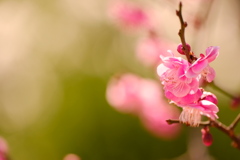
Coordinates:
[233,125]
[228,130]
[181,33]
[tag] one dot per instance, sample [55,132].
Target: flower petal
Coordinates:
[212,53]
[161,69]
[180,89]
[199,66]
[210,75]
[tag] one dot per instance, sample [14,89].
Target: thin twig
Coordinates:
[233,125]
[181,33]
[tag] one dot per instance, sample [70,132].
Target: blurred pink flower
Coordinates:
[143,97]
[3,149]
[154,116]
[149,49]
[71,157]
[129,15]
[122,93]
[155,110]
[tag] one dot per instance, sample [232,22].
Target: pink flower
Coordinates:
[154,119]
[195,105]
[129,15]
[172,74]
[149,49]
[200,66]
[128,93]
[122,93]
[71,157]
[191,114]
[3,149]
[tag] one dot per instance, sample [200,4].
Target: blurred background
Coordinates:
[57,57]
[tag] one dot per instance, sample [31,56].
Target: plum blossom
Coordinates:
[130,15]
[191,113]
[181,81]
[201,65]
[172,74]
[142,97]
[206,105]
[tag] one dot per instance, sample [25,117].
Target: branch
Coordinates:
[228,130]
[233,125]
[182,32]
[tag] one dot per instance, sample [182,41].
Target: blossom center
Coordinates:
[190,116]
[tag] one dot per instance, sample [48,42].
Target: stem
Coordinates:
[181,33]
[235,122]
[214,86]
[228,130]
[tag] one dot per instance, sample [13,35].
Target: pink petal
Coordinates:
[212,53]
[209,97]
[209,106]
[161,69]
[190,73]
[170,96]
[181,89]
[190,98]
[198,66]
[194,84]
[210,74]
[209,109]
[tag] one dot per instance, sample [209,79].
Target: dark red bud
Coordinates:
[177,12]
[180,48]
[206,137]
[235,103]
[185,24]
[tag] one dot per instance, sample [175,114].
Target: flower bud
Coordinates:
[235,103]
[206,137]
[180,48]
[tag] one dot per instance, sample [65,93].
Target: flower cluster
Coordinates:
[181,81]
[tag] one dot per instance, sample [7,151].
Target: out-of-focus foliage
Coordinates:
[56,58]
